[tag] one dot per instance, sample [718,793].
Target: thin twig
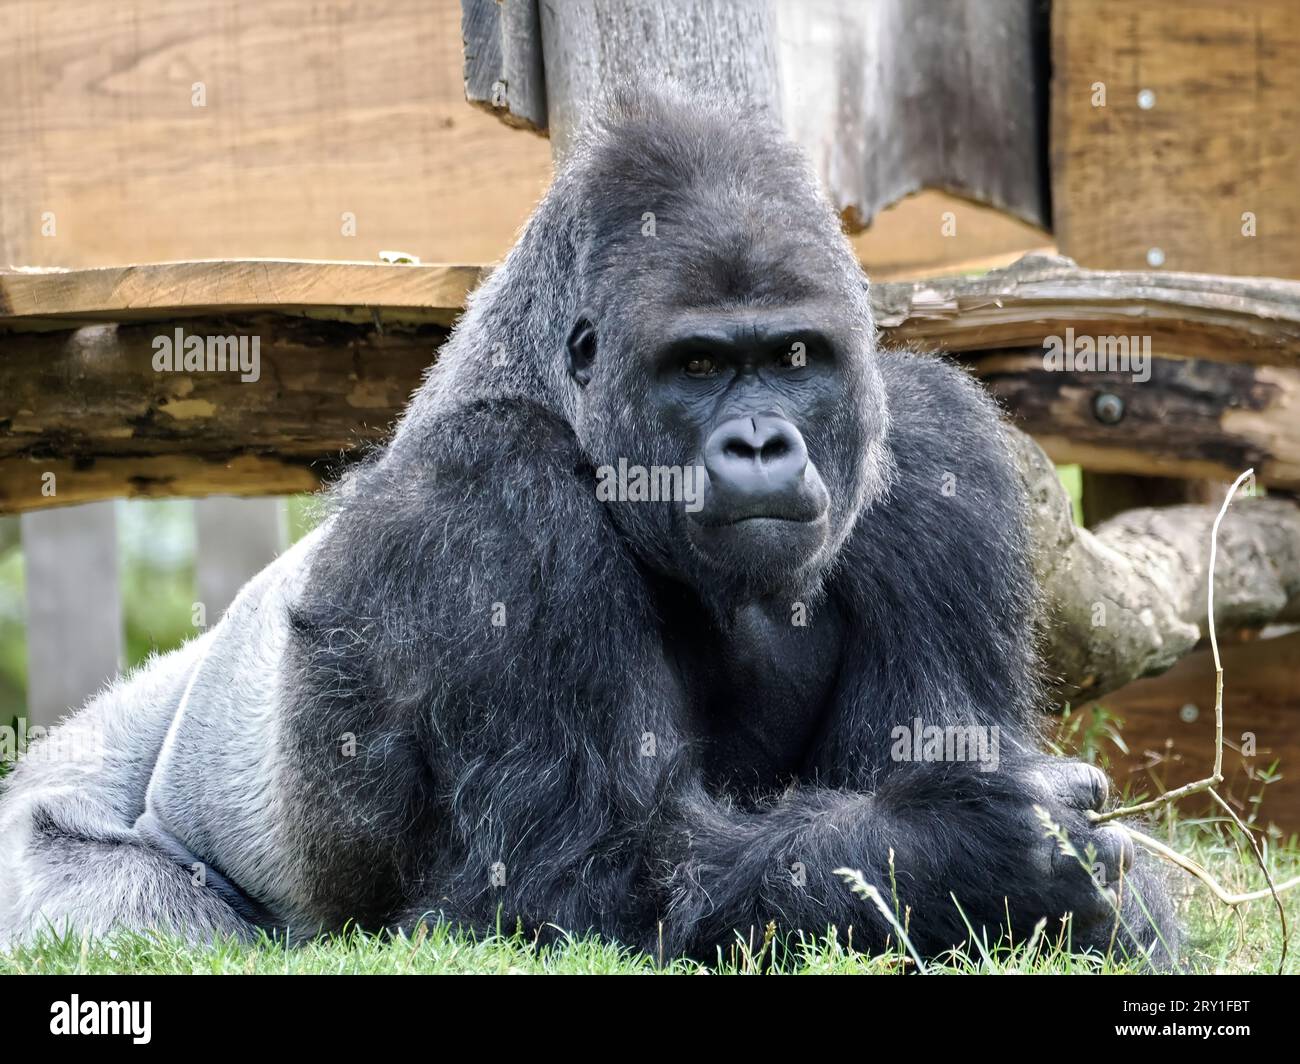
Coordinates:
[1217,777]
[1273,890]
[1190,866]
[1263,867]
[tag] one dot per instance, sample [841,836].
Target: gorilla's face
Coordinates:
[727,392]
[734,443]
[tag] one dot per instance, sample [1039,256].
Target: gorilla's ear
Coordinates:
[582,351]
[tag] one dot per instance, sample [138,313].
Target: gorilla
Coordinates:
[665,601]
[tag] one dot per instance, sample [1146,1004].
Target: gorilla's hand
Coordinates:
[1086,881]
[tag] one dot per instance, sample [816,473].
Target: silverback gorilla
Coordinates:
[491,688]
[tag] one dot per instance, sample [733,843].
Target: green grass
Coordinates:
[1216,943]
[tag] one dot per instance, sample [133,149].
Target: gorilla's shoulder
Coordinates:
[483,432]
[474,493]
[941,417]
[956,493]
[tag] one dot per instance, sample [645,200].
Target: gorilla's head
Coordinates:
[721,351]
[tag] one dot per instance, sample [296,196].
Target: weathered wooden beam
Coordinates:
[1189,419]
[342,346]
[88,407]
[1186,315]
[503,60]
[38,299]
[887,97]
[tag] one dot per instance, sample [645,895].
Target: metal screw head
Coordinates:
[1189,712]
[1108,408]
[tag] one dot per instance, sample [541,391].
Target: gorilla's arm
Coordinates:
[927,835]
[476,622]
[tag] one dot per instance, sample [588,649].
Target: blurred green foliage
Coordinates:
[1072,480]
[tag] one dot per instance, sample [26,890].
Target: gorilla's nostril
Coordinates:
[759,458]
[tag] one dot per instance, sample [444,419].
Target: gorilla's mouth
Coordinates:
[775,537]
[723,517]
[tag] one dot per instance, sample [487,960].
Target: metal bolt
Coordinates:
[1108,408]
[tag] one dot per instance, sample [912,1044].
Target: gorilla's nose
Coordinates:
[755,458]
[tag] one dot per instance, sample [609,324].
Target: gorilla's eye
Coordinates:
[700,367]
[793,357]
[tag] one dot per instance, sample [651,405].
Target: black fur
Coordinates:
[503,774]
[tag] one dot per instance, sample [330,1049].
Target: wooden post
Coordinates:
[236,539]
[74,610]
[886,96]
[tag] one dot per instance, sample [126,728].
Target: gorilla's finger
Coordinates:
[1115,848]
[1082,786]
[1105,855]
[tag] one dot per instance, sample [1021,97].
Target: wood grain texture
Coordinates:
[1191,419]
[35,300]
[312,110]
[1221,138]
[89,407]
[88,404]
[503,60]
[1255,320]
[1187,315]
[886,97]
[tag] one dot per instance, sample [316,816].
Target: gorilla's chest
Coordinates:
[759,691]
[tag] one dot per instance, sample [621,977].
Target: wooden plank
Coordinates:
[155,477]
[1187,315]
[89,406]
[1191,419]
[503,60]
[340,291]
[1218,139]
[74,610]
[312,110]
[370,118]
[1252,319]
[1169,727]
[88,403]
[886,97]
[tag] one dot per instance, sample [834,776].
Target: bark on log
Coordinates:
[88,407]
[1191,418]
[343,345]
[1187,315]
[887,97]
[1129,599]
